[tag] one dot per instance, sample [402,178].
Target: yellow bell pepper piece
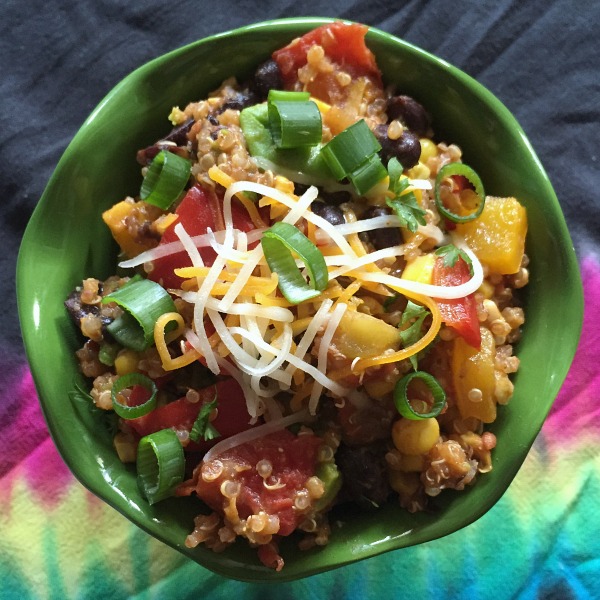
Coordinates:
[360,335]
[473,375]
[420,269]
[498,236]
[115,218]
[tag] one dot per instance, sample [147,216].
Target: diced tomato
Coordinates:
[460,314]
[293,460]
[344,44]
[232,414]
[199,210]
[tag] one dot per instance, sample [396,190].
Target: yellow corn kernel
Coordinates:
[419,171]
[411,463]
[428,150]
[126,447]
[487,289]
[126,362]
[405,484]
[415,437]
[378,388]
[420,269]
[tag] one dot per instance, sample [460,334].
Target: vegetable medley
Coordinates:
[315,303]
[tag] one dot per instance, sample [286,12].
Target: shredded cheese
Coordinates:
[254,327]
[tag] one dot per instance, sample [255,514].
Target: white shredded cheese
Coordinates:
[325,343]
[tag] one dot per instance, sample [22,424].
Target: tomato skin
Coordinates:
[460,314]
[293,459]
[232,414]
[199,210]
[343,43]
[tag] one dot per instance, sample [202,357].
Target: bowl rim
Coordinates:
[25,309]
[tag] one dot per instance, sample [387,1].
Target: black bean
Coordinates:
[240,100]
[384,237]
[407,148]
[364,474]
[336,198]
[77,309]
[329,212]
[178,134]
[267,77]
[410,112]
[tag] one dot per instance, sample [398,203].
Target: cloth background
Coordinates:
[542,539]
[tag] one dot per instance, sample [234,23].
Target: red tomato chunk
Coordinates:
[292,460]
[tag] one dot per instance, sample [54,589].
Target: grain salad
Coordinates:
[316,304]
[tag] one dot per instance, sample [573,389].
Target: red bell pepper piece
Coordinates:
[199,210]
[344,44]
[460,314]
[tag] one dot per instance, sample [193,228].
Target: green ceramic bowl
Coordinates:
[66,241]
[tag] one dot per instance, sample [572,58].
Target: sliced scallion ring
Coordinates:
[128,381]
[459,169]
[143,302]
[350,149]
[403,403]
[165,179]
[160,465]
[278,242]
[294,120]
[287,96]
[370,173]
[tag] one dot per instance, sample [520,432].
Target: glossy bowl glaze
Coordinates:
[67,241]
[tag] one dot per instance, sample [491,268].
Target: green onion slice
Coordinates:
[160,465]
[348,150]
[286,96]
[368,174]
[143,302]
[278,242]
[165,179]
[128,381]
[471,175]
[294,120]
[401,396]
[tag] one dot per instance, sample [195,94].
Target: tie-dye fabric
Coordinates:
[542,539]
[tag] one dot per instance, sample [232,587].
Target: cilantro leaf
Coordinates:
[91,416]
[202,427]
[415,315]
[404,203]
[451,254]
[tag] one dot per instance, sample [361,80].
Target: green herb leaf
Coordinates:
[389,301]
[451,254]
[202,427]
[404,204]
[104,422]
[415,315]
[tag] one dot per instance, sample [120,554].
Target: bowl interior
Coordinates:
[66,241]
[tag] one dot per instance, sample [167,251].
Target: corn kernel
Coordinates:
[419,171]
[405,484]
[126,447]
[487,289]
[126,362]
[378,388]
[415,437]
[411,463]
[428,150]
